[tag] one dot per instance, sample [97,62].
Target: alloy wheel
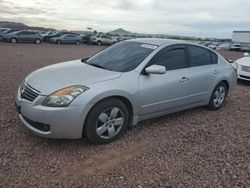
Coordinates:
[219,96]
[13,40]
[38,41]
[109,123]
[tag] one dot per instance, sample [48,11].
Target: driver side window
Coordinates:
[172,59]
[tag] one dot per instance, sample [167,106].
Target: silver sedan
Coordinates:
[100,96]
[67,39]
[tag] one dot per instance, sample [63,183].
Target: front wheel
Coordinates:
[58,42]
[77,42]
[107,121]
[99,43]
[218,96]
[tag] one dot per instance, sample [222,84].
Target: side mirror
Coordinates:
[245,54]
[156,69]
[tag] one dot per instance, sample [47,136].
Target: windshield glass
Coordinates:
[122,57]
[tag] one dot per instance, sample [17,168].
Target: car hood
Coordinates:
[54,77]
[245,61]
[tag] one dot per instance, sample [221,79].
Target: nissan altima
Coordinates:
[100,96]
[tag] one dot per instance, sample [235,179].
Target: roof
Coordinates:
[158,42]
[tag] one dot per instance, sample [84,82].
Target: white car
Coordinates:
[211,46]
[103,40]
[243,67]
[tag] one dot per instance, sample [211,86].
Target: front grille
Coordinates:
[29,93]
[246,77]
[245,68]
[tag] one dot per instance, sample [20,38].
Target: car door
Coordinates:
[110,41]
[165,92]
[21,36]
[30,37]
[26,37]
[105,39]
[203,73]
[66,39]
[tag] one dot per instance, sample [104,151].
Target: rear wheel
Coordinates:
[13,40]
[107,121]
[77,42]
[218,96]
[38,41]
[58,42]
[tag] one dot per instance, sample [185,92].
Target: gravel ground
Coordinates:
[194,148]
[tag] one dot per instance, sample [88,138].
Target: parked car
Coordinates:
[23,36]
[103,40]
[235,47]
[6,32]
[67,39]
[47,33]
[87,39]
[55,34]
[245,48]
[126,83]
[243,67]
[120,39]
[223,46]
[3,29]
[212,46]
[207,43]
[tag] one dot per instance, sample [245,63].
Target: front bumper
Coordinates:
[51,122]
[5,39]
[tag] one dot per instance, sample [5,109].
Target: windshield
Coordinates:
[122,57]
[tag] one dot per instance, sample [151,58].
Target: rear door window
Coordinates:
[199,56]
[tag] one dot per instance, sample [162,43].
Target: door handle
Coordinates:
[216,71]
[183,79]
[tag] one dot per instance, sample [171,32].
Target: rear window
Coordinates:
[122,57]
[214,58]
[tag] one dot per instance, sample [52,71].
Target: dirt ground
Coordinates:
[194,148]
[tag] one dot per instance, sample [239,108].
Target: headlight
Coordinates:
[64,97]
[235,65]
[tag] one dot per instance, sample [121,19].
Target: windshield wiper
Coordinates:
[84,60]
[95,65]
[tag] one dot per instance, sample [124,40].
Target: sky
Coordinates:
[200,18]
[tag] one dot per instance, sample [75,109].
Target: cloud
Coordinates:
[214,18]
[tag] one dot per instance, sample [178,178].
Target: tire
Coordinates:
[99,43]
[77,42]
[13,40]
[58,42]
[38,41]
[107,121]
[218,96]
